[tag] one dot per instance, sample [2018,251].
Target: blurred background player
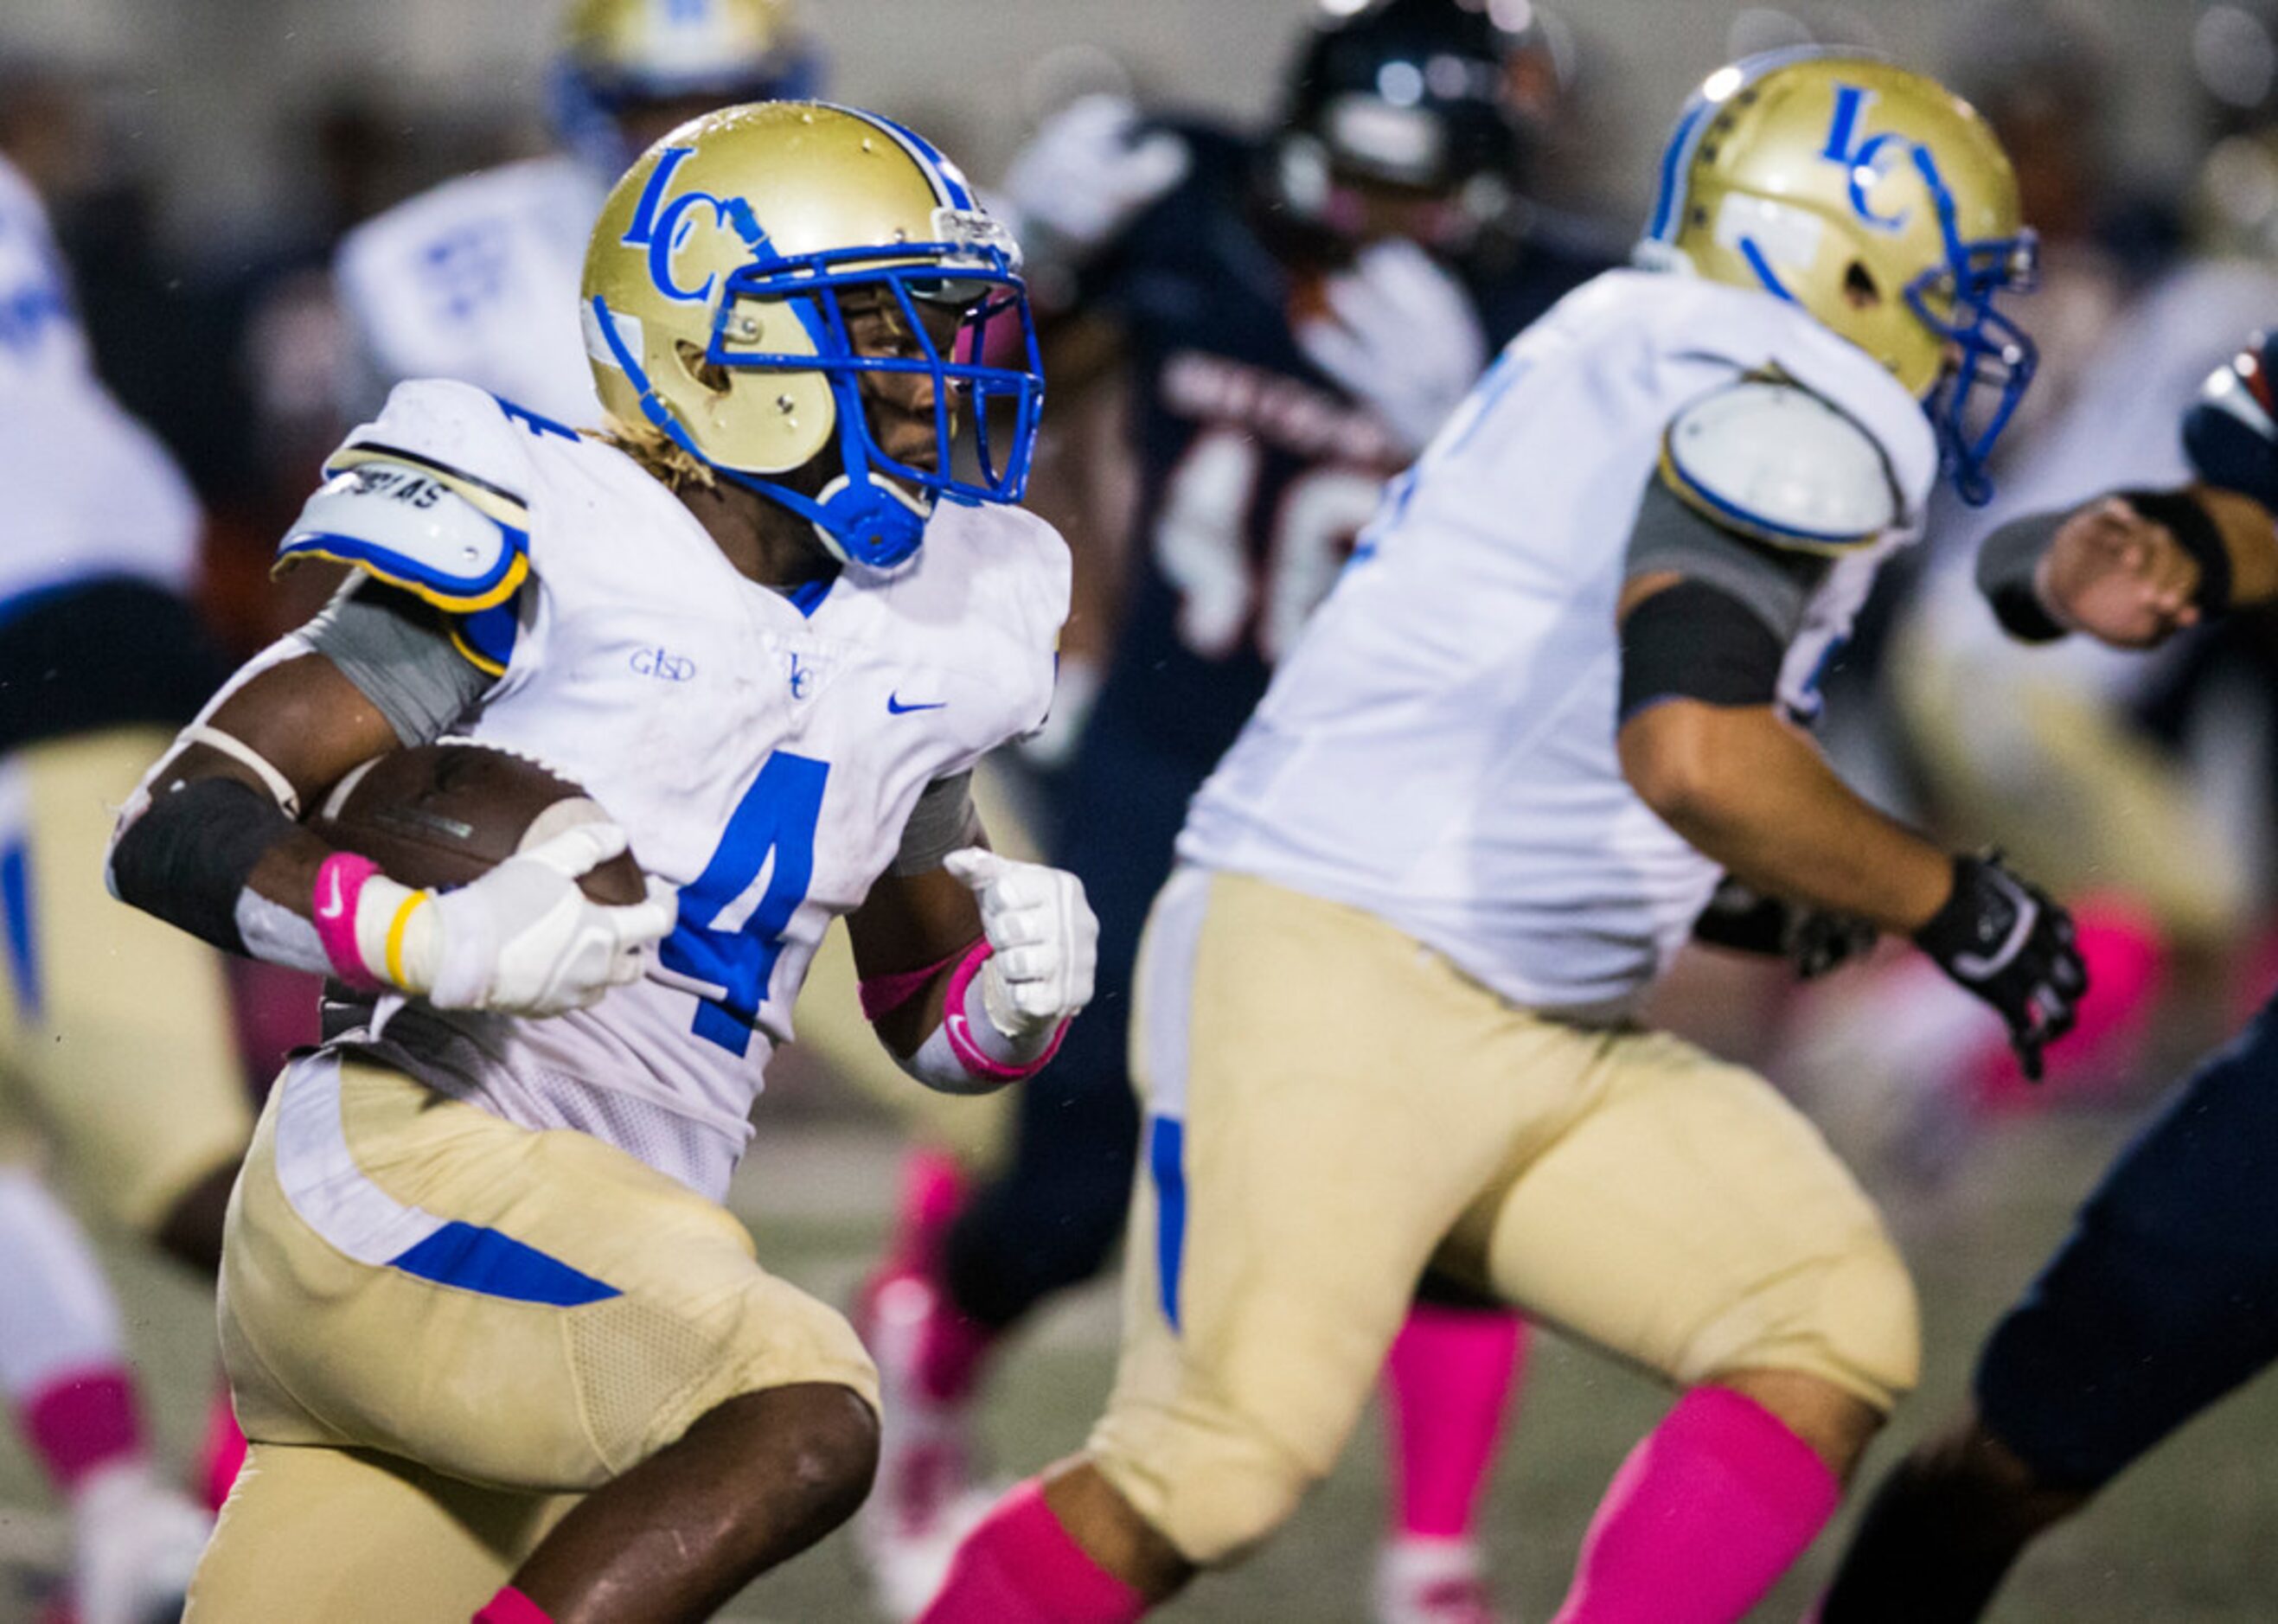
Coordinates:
[1391,993]
[2087,773]
[2165,1296]
[1285,318]
[115,1053]
[477,278]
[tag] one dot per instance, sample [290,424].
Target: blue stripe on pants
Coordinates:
[1166,1146]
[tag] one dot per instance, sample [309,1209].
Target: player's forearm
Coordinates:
[2249,538]
[1752,794]
[212,844]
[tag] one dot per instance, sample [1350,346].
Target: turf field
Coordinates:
[2191,1538]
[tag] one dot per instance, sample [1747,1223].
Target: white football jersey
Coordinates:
[1440,748]
[763,751]
[477,280]
[85,490]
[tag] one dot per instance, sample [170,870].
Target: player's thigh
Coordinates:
[356,1538]
[1324,1097]
[1691,1220]
[2165,1296]
[117,1026]
[527,1310]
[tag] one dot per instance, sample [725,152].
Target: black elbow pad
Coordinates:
[1691,641]
[187,857]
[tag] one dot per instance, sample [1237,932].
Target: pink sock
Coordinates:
[224,1455]
[81,1421]
[1446,1383]
[950,1347]
[511,1606]
[1020,1567]
[1702,1518]
[932,1196]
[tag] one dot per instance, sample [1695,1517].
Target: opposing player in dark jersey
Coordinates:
[1293,314]
[2165,1297]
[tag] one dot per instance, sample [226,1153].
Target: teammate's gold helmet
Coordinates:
[712,307]
[619,56]
[1879,201]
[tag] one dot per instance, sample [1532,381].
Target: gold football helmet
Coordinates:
[713,312]
[619,55]
[1879,201]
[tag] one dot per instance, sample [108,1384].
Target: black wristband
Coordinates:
[2186,519]
[187,857]
[1974,918]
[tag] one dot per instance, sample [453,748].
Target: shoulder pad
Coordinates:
[430,497]
[1771,459]
[401,523]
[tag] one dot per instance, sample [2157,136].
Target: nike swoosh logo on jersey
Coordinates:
[895,707]
[335,904]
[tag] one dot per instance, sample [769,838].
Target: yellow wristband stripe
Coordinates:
[395,928]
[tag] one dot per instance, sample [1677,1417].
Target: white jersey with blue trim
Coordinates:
[477,280]
[86,491]
[1440,748]
[762,751]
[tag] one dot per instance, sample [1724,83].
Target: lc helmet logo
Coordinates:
[663,227]
[712,309]
[1877,201]
[1866,159]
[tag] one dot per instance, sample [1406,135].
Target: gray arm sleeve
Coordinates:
[2006,563]
[942,821]
[1774,585]
[396,652]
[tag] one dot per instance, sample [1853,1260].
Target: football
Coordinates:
[442,814]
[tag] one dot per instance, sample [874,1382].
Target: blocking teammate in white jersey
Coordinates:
[1387,1006]
[109,1022]
[476,1267]
[477,278]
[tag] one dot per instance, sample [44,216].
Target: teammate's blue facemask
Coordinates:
[1992,360]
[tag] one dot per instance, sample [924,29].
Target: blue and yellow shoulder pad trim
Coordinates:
[453,539]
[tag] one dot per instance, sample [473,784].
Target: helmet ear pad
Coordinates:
[766,422]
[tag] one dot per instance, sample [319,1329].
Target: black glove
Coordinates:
[1813,940]
[2008,943]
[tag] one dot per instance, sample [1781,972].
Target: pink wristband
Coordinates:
[340,884]
[883,995]
[958,1025]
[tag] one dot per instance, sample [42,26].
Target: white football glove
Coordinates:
[1085,173]
[523,940]
[1044,938]
[1401,337]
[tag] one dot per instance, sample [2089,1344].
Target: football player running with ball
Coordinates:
[1386,1006]
[109,1022]
[2165,1296]
[476,1267]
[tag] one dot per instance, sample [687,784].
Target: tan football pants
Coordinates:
[1331,1106]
